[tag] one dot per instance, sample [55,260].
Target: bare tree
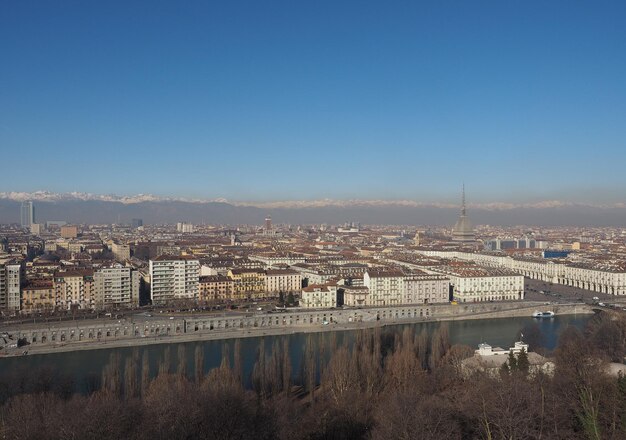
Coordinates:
[237,362]
[258,370]
[111,380]
[286,367]
[422,347]
[130,375]
[145,372]
[199,363]
[166,361]
[309,368]
[439,345]
[182,360]
[340,377]
[455,357]
[402,365]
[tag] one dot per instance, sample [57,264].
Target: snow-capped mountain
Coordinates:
[47,196]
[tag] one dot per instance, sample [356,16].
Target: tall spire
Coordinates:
[463,201]
[463,230]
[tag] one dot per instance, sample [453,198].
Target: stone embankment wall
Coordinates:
[139,327]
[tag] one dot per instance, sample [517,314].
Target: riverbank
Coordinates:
[522,310]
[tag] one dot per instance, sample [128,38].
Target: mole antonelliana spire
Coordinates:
[463,230]
[463,202]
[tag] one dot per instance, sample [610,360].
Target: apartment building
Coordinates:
[215,288]
[385,287]
[599,276]
[319,296]
[284,281]
[185,228]
[478,284]
[121,252]
[116,286]
[173,277]
[10,283]
[74,289]
[422,288]
[355,296]
[39,297]
[393,287]
[69,231]
[272,259]
[248,283]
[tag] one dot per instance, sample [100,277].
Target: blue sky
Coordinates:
[266,100]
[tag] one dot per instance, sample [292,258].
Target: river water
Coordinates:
[81,365]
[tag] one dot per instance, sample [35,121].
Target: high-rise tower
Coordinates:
[27,214]
[463,230]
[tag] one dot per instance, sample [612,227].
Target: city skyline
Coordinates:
[90,208]
[447,202]
[304,102]
[329,219]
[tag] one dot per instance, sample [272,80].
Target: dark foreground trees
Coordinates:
[381,386]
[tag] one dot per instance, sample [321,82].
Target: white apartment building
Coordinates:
[173,278]
[116,286]
[392,287]
[185,228]
[604,277]
[285,281]
[10,279]
[477,284]
[385,287]
[319,296]
[355,296]
[467,288]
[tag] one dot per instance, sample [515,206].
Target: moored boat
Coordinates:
[548,314]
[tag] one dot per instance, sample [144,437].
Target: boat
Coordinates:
[548,314]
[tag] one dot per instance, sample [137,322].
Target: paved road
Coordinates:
[145,313]
[561,293]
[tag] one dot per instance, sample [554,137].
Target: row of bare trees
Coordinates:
[381,385]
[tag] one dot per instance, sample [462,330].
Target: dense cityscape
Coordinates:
[53,269]
[54,266]
[68,287]
[327,220]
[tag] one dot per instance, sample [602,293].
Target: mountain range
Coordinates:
[93,208]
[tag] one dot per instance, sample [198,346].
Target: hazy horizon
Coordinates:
[108,209]
[448,201]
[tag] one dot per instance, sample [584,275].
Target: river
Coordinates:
[85,364]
